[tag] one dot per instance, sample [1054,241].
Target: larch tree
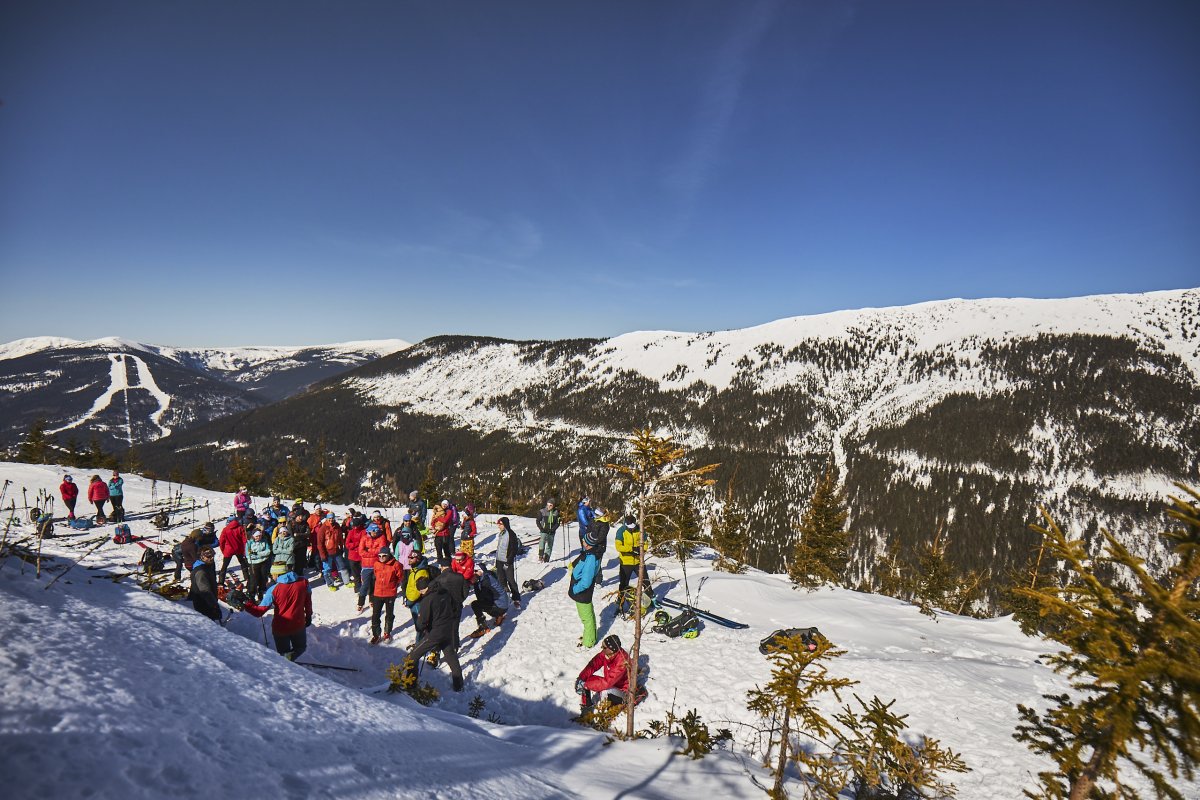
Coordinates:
[658,481]
[822,552]
[1130,653]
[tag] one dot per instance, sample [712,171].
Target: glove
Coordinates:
[579,686]
[308,623]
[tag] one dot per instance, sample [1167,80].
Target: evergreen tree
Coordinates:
[293,480]
[731,534]
[96,457]
[430,489]
[655,475]
[74,456]
[823,550]
[132,462]
[889,574]
[1037,574]
[497,500]
[36,447]
[934,580]
[199,475]
[1131,655]
[324,485]
[242,473]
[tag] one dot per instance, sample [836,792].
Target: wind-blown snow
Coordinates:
[109,691]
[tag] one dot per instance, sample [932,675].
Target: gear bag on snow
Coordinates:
[533,585]
[152,561]
[122,534]
[808,638]
[686,624]
[80,523]
[161,520]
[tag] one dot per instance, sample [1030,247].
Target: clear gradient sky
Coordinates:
[251,172]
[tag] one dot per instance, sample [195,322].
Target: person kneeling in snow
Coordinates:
[204,585]
[613,661]
[292,600]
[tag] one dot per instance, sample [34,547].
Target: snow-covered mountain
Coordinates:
[151,699]
[962,414]
[126,392]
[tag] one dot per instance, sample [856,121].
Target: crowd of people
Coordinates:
[99,493]
[427,562]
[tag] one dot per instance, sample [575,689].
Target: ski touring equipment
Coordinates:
[122,535]
[685,624]
[705,615]
[80,523]
[533,585]
[809,638]
[327,666]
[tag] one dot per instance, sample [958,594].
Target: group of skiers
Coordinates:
[280,546]
[98,494]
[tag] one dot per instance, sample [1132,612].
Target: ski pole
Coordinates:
[4,491]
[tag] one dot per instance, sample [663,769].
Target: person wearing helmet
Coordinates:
[409,526]
[608,671]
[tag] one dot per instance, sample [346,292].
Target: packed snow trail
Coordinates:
[118,382]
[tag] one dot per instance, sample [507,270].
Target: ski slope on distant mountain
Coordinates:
[119,384]
[151,698]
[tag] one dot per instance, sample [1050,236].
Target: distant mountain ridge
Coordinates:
[126,393]
[960,414]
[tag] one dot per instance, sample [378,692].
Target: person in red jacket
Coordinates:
[443,536]
[354,535]
[368,549]
[69,492]
[232,542]
[329,542]
[98,495]
[464,565]
[613,662]
[292,601]
[389,575]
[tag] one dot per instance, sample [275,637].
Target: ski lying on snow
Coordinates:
[328,666]
[728,623]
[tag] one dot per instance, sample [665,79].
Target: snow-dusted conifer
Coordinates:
[823,549]
[1131,655]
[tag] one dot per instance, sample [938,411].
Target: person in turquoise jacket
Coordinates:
[259,556]
[584,570]
[116,494]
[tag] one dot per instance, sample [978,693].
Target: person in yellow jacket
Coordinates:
[416,583]
[629,550]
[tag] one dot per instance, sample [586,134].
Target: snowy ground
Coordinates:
[110,691]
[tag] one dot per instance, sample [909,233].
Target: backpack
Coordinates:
[45,525]
[533,585]
[808,637]
[80,523]
[122,535]
[152,561]
[686,624]
[454,516]
[161,520]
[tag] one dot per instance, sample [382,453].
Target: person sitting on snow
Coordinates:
[613,662]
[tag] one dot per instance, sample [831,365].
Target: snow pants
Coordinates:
[587,615]
[257,579]
[118,507]
[386,605]
[335,563]
[445,549]
[241,559]
[291,645]
[366,585]
[444,643]
[546,546]
[507,572]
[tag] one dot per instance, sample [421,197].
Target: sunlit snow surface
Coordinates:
[109,691]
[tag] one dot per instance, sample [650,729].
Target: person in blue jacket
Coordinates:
[586,515]
[584,571]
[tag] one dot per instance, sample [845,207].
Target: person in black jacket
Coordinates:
[204,585]
[507,545]
[441,610]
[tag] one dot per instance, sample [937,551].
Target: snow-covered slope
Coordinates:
[127,392]
[149,698]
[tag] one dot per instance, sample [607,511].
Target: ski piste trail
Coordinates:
[118,382]
[112,691]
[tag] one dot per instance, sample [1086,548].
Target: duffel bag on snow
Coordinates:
[80,523]
[808,637]
[152,561]
[122,534]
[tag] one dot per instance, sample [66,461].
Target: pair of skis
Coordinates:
[707,615]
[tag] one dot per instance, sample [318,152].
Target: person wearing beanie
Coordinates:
[292,601]
[70,493]
[241,501]
[233,545]
[507,546]
[443,536]
[355,531]
[388,578]
[416,584]
[409,525]
[628,542]
[189,551]
[116,494]
[203,593]
[258,556]
[368,549]
[418,508]
[469,531]
[608,671]
[548,520]
[437,625]
[585,571]
[598,541]
[330,543]
[490,599]
[284,547]
[464,565]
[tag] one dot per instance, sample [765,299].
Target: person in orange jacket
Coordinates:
[330,543]
[389,576]
[368,549]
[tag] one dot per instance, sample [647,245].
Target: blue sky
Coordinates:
[220,173]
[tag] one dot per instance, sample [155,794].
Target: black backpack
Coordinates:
[533,585]
[686,624]
[808,637]
[152,561]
